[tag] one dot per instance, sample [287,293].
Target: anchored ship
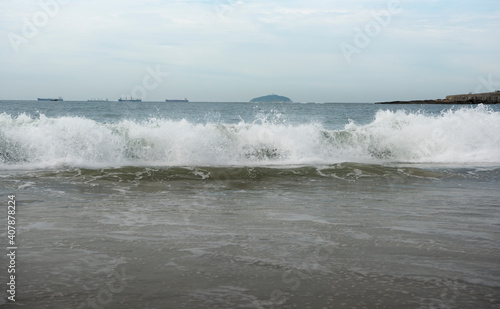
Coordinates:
[50,99]
[129,100]
[98,100]
[177,101]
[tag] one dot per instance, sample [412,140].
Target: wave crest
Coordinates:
[466,135]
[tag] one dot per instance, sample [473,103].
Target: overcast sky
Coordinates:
[230,50]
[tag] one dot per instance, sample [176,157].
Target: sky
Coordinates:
[236,50]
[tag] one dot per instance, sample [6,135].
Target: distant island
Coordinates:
[273,98]
[477,98]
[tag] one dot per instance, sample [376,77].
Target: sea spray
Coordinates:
[465,135]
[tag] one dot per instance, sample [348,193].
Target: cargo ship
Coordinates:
[129,100]
[51,99]
[177,101]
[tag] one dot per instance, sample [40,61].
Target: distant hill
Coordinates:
[273,98]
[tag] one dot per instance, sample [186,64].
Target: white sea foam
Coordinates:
[466,135]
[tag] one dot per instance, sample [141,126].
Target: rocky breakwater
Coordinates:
[484,98]
[476,98]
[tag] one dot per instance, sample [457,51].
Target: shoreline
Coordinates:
[478,98]
[444,102]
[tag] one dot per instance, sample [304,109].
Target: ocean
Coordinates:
[243,205]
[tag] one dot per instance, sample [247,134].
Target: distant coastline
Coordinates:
[477,98]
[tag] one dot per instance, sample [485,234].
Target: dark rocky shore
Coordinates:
[478,98]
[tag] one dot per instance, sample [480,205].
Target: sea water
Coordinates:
[242,205]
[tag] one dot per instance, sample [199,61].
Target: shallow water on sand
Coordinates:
[282,238]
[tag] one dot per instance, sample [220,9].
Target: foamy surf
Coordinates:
[466,135]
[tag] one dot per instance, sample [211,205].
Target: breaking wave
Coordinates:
[466,135]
